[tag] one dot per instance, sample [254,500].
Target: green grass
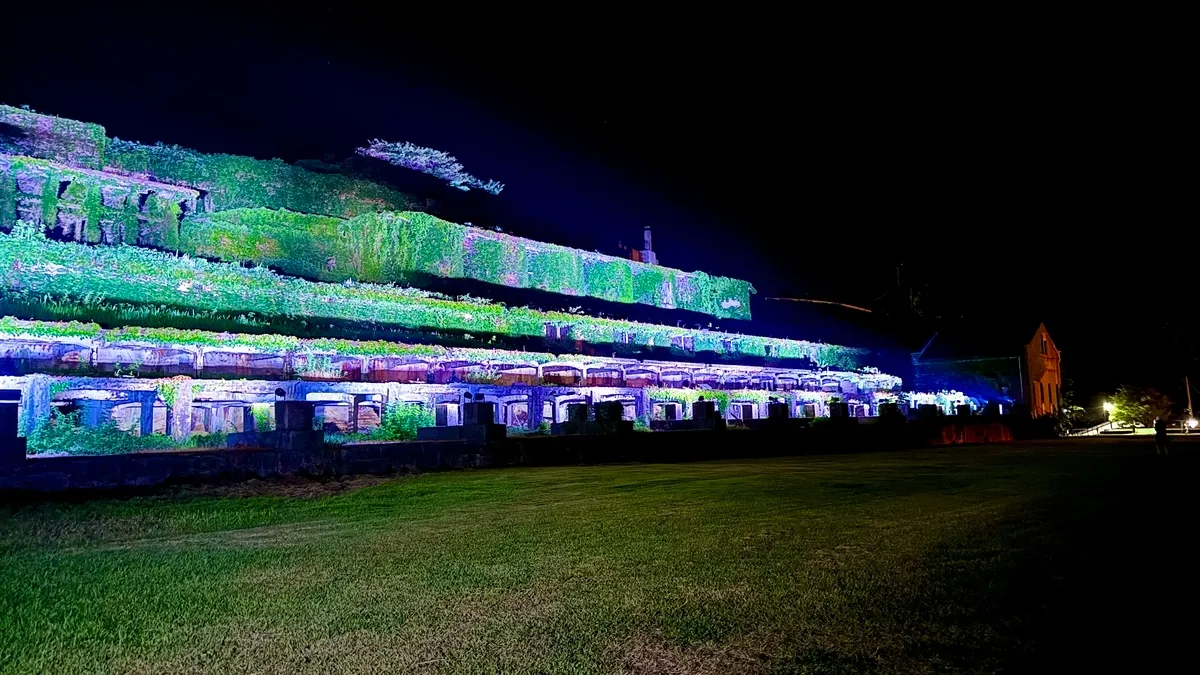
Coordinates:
[966,560]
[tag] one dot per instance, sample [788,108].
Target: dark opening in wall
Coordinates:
[202,205]
[178,224]
[13,138]
[143,197]
[62,187]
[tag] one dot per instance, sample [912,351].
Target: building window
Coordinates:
[1044,349]
[1042,393]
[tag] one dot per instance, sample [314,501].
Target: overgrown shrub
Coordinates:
[64,433]
[428,161]
[401,421]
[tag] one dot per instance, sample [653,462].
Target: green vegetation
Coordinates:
[262,215]
[269,343]
[231,181]
[11,326]
[1134,407]
[264,416]
[84,194]
[722,397]
[65,434]
[400,247]
[77,143]
[401,421]
[234,181]
[141,278]
[686,397]
[1022,559]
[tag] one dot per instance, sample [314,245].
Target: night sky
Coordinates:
[1014,182]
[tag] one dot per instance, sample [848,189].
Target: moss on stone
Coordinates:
[234,181]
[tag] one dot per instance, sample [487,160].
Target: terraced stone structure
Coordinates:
[165,293]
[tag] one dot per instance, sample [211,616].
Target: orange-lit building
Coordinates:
[1044,375]
[993,365]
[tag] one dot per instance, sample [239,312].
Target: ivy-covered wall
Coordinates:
[228,181]
[147,278]
[721,397]
[398,247]
[235,181]
[90,206]
[24,132]
[378,245]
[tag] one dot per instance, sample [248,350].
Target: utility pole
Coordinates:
[1187,424]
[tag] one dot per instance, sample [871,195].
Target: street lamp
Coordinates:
[1109,407]
[1191,422]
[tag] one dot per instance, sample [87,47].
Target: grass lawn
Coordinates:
[1062,556]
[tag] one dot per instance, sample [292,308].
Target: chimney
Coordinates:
[647,253]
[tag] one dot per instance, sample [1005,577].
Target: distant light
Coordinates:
[1191,423]
[1001,408]
[1108,406]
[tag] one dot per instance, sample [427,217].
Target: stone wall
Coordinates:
[227,181]
[24,132]
[90,206]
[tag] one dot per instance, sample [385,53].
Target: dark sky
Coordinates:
[1016,180]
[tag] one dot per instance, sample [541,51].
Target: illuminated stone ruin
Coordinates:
[220,280]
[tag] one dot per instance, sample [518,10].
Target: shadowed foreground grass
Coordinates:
[1022,558]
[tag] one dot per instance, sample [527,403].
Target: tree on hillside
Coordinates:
[1136,407]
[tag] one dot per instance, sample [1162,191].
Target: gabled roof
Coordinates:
[976,340]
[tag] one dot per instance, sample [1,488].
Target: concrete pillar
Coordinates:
[294,415]
[96,413]
[640,406]
[179,415]
[219,419]
[391,395]
[146,399]
[12,448]
[37,402]
[356,399]
[536,401]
